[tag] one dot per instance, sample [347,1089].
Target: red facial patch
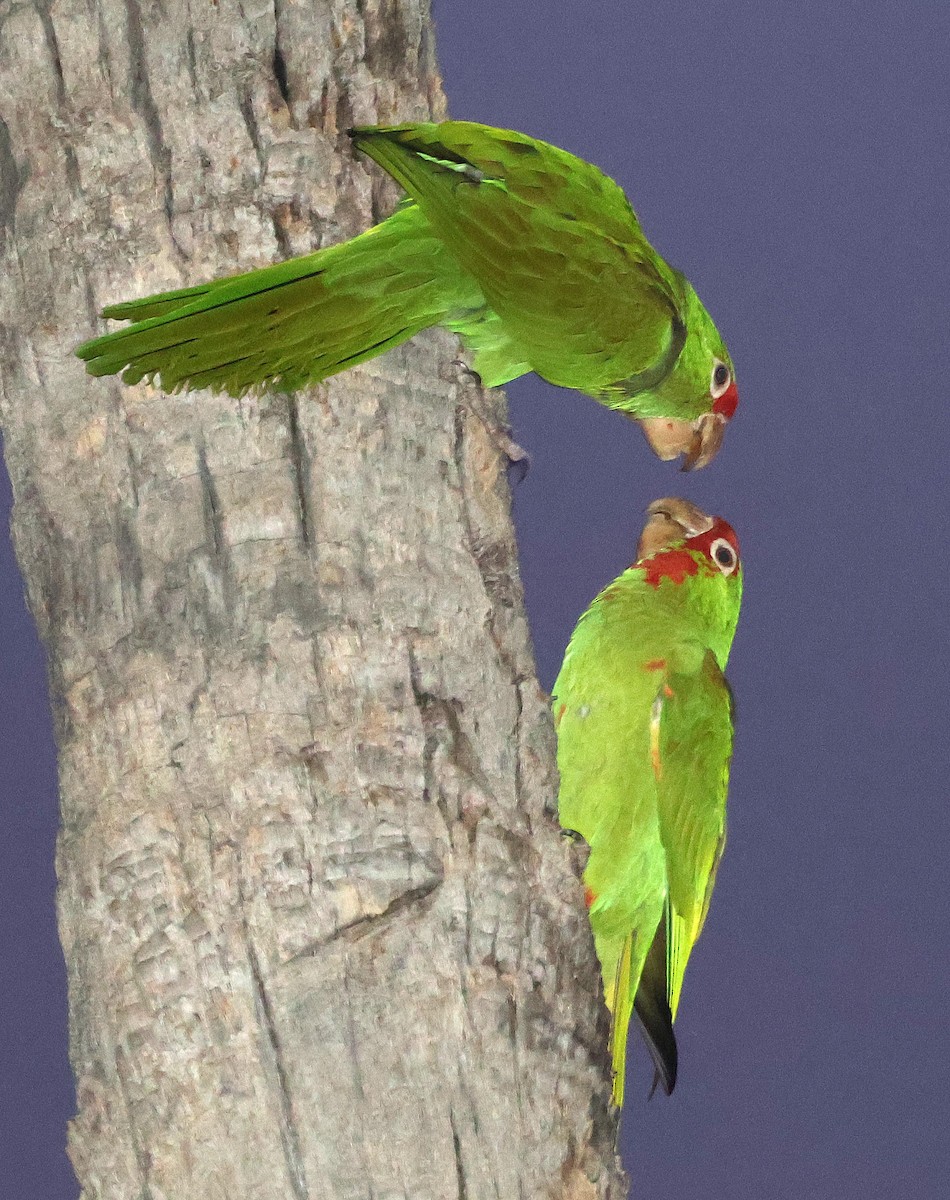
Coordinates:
[721,529]
[676,564]
[589,896]
[728,402]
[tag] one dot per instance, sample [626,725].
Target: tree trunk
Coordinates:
[322,935]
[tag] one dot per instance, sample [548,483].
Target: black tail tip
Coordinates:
[665,1057]
[664,1076]
[656,1025]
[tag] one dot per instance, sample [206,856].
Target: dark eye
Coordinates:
[724,555]
[721,378]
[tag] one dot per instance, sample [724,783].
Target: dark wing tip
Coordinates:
[356,132]
[652,1007]
[661,1042]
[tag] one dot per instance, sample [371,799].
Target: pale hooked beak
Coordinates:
[698,440]
[669,521]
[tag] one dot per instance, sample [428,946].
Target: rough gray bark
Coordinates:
[323,938]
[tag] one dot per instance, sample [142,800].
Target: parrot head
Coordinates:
[673,523]
[681,544]
[702,384]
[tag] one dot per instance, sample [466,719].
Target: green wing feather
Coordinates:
[554,245]
[162,304]
[695,749]
[690,753]
[296,322]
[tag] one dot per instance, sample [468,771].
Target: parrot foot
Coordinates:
[579,853]
[519,460]
[465,368]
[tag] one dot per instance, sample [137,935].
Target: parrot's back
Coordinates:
[554,244]
[603,703]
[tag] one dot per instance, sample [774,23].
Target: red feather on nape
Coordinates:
[668,564]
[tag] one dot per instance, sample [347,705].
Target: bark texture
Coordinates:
[323,938]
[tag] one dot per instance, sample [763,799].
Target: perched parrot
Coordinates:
[533,256]
[644,725]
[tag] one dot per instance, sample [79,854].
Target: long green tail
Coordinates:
[297,322]
[616,957]
[637,984]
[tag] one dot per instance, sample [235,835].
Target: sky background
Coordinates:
[793,161]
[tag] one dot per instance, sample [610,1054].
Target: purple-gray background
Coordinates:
[793,160]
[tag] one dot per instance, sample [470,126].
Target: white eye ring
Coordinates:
[723,556]
[720,379]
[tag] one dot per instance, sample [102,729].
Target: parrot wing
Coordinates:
[554,245]
[692,733]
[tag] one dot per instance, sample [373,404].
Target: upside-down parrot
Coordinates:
[533,256]
[644,727]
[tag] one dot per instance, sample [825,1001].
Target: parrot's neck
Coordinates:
[674,599]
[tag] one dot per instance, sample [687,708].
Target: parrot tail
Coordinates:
[652,1007]
[619,960]
[296,322]
[620,1002]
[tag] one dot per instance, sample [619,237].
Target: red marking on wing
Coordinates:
[589,896]
[560,713]
[728,402]
[655,664]
[609,594]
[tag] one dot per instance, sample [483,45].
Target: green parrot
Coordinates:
[531,255]
[644,724]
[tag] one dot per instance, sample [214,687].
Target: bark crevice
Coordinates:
[144,103]
[300,461]
[461,1185]
[288,1124]
[11,183]
[52,45]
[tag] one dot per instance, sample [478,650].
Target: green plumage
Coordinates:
[533,256]
[644,721]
